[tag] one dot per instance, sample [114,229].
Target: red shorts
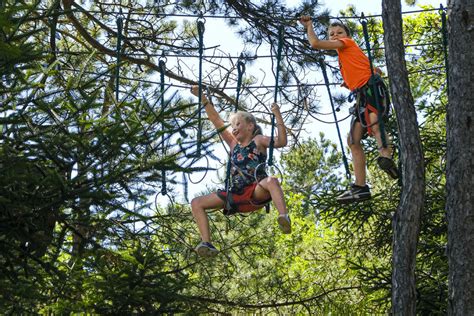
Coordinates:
[241,203]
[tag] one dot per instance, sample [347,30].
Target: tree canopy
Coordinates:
[93,128]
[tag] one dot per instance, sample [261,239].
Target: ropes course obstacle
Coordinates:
[200,28]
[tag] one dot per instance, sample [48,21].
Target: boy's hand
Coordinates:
[305,20]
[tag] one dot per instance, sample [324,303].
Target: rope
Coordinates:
[147,11]
[162,67]
[253,57]
[240,73]
[185,187]
[277,75]
[373,83]
[200,28]
[326,80]
[119,48]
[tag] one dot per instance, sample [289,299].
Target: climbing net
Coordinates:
[144,64]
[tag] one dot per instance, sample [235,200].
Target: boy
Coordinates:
[356,72]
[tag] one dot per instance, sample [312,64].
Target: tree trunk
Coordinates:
[406,222]
[460,157]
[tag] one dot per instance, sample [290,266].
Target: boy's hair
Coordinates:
[340,24]
[249,118]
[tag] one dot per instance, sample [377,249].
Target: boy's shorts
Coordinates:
[366,104]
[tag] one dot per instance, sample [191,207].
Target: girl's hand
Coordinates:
[195,90]
[276,109]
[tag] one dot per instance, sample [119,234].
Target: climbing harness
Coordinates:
[246,175]
[366,100]
[242,203]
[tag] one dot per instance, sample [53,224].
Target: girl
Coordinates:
[249,149]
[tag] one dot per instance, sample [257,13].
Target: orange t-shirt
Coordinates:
[354,64]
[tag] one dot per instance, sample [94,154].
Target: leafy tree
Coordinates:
[83,156]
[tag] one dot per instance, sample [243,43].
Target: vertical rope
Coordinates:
[185,186]
[326,81]
[240,73]
[373,83]
[445,42]
[277,76]
[162,67]
[200,27]
[119,48]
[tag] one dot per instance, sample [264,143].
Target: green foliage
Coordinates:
[80,229]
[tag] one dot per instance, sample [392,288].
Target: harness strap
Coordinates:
[232,207]
[242,203]
[367,118]
[362,100]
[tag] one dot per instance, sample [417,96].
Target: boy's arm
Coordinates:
[214,117]
[313,39]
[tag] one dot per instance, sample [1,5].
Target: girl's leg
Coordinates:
[199,205]
[270,187]
[357,152]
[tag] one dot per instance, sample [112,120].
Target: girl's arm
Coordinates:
[280,140]
[313,39]
[215,119]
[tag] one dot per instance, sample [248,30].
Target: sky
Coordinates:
[218,33]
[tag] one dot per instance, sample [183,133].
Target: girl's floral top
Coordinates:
[244,162]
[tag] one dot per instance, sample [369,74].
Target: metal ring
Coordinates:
[266,164]
[201,18]
[163,59]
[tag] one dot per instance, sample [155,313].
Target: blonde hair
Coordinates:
[248,118]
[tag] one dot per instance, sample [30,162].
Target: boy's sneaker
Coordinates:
[284,223]
[355,194]
[388,165]
[206,249]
